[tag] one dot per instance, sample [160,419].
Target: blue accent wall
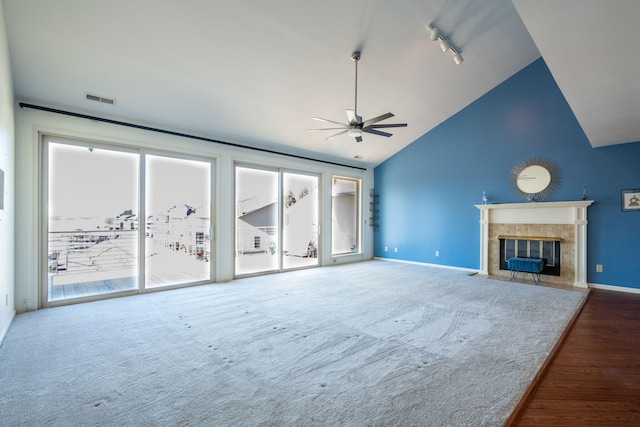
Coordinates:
[429,189]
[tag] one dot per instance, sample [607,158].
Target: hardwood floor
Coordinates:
[594,380]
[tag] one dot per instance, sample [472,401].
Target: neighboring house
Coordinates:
[126,222]
[256,230]
[182,228]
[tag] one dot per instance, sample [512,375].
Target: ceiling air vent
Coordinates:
[97,98]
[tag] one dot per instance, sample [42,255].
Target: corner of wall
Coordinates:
[7,198]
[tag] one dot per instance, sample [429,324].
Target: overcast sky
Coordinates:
[104,183]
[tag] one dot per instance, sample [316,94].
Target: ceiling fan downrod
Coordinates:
[355,57]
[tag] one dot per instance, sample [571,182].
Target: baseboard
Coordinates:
[426,264]
[614,288]
[6,330]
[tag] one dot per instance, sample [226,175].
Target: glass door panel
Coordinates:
[178,223]
[257,231]
[92,221]
[299,220]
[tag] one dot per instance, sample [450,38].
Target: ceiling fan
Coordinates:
[355,126]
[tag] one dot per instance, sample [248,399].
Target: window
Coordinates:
[345,211]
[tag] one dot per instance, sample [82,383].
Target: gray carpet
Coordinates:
[369,344]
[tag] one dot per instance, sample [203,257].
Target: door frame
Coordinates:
[44,139]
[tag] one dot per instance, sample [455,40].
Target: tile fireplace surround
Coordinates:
[564,220]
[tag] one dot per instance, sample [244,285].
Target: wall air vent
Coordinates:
[97,98]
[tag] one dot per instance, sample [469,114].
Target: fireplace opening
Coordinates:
[545,248]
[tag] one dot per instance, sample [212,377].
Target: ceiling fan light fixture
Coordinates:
[355,132]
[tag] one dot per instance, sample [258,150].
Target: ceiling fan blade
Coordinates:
[338,134]
[390,125]
[377,119]
[353,118]
[314,130]
[328,121]
[376,132]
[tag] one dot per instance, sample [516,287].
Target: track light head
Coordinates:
[444,44]
[433,32]
[457,58]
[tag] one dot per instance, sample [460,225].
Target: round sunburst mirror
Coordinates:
[535,179]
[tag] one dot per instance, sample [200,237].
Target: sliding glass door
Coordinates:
[299,220]
[178,221]
[99,228]
[276,220]
[92,221]
[257,225]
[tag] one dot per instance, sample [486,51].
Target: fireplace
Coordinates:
[545,248]
[564,223]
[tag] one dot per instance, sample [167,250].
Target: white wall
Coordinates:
[29,123]
[7,146]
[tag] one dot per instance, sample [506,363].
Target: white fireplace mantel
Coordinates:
[538,213]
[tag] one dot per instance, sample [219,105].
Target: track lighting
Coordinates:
[445,43]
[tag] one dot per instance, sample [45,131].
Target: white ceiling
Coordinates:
[592,49]
[254,72]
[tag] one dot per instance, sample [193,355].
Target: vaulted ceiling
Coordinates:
[254,72]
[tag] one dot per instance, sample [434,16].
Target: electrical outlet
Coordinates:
[599,268]
[437,253]
[395,249]
[386,248]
